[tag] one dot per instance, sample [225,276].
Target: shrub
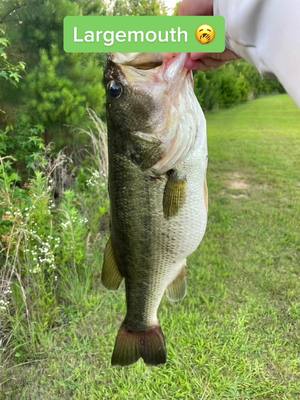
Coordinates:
[26,143]
[50,249]
[232,84]
[8,71]
[52,97]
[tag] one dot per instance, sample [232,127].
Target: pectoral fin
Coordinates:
[174,196]
[178,288]
[110,277]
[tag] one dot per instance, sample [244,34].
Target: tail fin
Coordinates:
[131,345]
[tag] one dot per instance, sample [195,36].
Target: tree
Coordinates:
[52,98]
[135,7]
[8,71]
[59,86]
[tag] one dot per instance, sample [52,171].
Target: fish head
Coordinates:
[152,96]
[129,103]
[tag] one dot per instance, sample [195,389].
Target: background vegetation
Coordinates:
[54,221]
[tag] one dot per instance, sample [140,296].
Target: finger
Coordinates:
[197,56]
[196,65]
[227,55]
[194,60]
[204,60]
[196,7]
[212,63]
[189,7]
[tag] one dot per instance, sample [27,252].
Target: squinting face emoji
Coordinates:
[205,34]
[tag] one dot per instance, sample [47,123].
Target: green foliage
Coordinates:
[40,22]
[26,144]
[58,86]
[73,232]
[8,71]
[46,247]
[232,84]
[27,240]
[53,99]
[135,7]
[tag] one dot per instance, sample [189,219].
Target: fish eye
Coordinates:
[115,89]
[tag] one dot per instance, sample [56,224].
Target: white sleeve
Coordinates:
[267,34]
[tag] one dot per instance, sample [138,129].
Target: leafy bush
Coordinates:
[50,250]
[54,99]
[8,71]
[58,86]
[26,143]
[232,84]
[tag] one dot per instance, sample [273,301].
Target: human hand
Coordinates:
[208,61]
[196,7]
[204,61]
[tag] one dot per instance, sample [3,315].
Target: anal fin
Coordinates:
[174,195]
[177,290]
[110,277]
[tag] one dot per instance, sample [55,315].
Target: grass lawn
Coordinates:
[237,333]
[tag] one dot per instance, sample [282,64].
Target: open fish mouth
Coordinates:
[144,61]
[155,63]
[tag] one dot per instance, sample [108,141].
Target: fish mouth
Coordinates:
[154,64]
[140,61]
[149,65]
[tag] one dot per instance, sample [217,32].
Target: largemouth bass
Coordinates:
[157,186]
